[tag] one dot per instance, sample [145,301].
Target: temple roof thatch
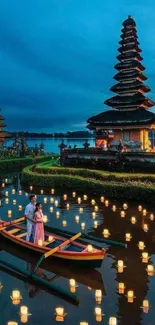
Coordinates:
[129,55]
[125,118]
[129,47]
[129,75]
[122,102]
[129,40]
[129,22]
[129,65]
[4,134]
[134,86]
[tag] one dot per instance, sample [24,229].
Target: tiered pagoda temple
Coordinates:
[3,134]
[129,119]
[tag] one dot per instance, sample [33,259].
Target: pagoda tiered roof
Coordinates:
[130,103]
[3,134]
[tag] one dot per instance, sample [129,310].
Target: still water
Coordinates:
[41,303]
[51,144]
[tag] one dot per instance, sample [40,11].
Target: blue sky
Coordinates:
[57,58]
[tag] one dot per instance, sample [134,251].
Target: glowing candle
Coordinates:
[98,314]
[56,203]
[6,180]
[74,194]
[102,199]
[40,242]
[57,214]
[145,303]
[84,323]
[45,219]
[122,214]
[145,306]
[96,208]
[79,200]
[65,197]
[77,218]
[93,215]
[112,321]
[6,200]
[141,245]
[64,223]
[59,312]
[6,193]
[145,257]
[3,184]
[93,202]
[45,199]
[51,209]
[120,266]
[151,216]
[31,187]
[9,213]
[90,248]
[24,310]
[72,282]
[121,288]
[133,220]
[20,192]
[144,212]
[52,191]
[50,238]
[12,323]
[81,210]
[41,191]
[106,203]
[85,197]
[114,208]
[83,225]
[140,208]
[20,207]
[145,227]
[13,191]
[98,295]
[130,296]
[128,236]
[16,297]
[125,206]
[106,233]
[52,200]
[14,202]
[95,224]
[67,206]
[150,270]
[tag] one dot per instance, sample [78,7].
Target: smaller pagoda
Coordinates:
[3,134]
[129,121]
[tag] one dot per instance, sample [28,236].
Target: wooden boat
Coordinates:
[72,252]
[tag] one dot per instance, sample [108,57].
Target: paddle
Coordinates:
[55,249]
[5,224]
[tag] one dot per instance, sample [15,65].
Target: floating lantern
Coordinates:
[144,212]
[122,214]
[112,321]
[51,209]
[20,192]
[6,193]
[56,203]
[13,191]
[6,200]
[72,285]
[133,220]
[31,188]
[50,238]
[14,202]
[125,206]
[130,296]
[24,314]
[74,194]
[3,184]
[145,257]
[40,242]
[102,199]
[65,197]
[84,323]
[106,203]
[77,218]
[120,266]
[141,245]
[81,210]
[98,314]
[96,208]
[145,306]
[41,191]
[93,202]
[128,236]
[6,180]
[20,208]
[1,286]
[150,270]
[64,223]
[59,313]
[12,323]
[140,207]
[85,197]
[45,199]
[52,190]
[57,214]
[151,216]
[95,224]
[121,287]
[67,206]
[9,213]
[145,227]
[16,297]
[26,194]
[45,219]
[93,215]
[52,200]
[83,225]
[79,200]
[90,248]
[98,295]
[106,233]
[114,208]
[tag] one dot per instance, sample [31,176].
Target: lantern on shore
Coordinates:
[112,321]
[140,208]
[150,270]
[145,257]
[106,233]
[60,314]
[41,191]
[151,216]
[144,212]
[102,199]
[96,208]
[16,297]
[125,206]
[93,215]
[13,191]
[93,202]
[141,245]
[83,225]
[145,227]
[114,208]
[130,296]
[98,296]
[85,197]
[106,203]
[128,236]
[122,214]
[65,197]
[31,188]
[67,206]
[95,224]
[3,184]
[133,220]
[79,200]
[77,218]
[145,306]
[120,266]
[52,190]
[74,194]
[121,288]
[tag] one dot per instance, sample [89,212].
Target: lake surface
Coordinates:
[41,303]
[51,144]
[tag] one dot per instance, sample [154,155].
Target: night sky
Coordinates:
[57,58]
